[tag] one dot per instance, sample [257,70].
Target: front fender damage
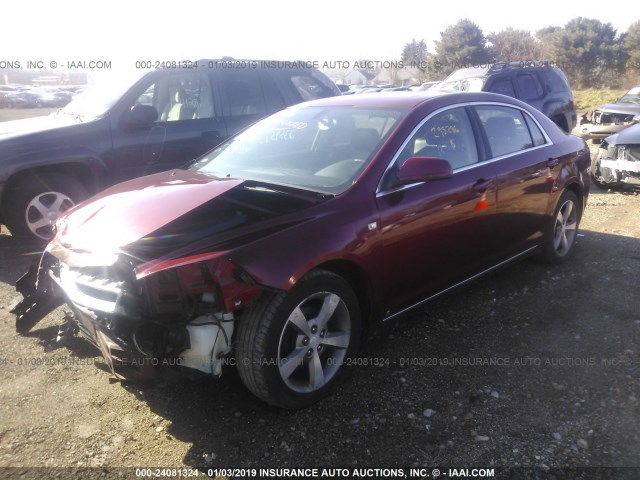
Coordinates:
[146,320]
[38,297]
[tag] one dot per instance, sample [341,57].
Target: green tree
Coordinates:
[414,52]
[631,46]
[545,38]
[460,45]
[511,45]
[588,50]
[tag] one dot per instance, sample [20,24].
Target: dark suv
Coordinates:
[166,118]
[540,84]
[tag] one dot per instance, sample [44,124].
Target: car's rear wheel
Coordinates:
[563,229]
[35,203]
[292,348]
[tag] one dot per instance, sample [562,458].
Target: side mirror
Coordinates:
[140,116]
[421,169]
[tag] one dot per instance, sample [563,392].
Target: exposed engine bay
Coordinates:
[175,318]
[598,124]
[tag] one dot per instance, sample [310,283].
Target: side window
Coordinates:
[272,94]
[147,97]
[534,130]
[309,88]
[529,86]
[557,81]
[244,92]
[177,97]
[446,135]
[503,86]
[506,129]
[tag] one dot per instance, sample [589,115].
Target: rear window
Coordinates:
[473,84]
[310,88]
[503,86]
[506,129]
[557,81]
[529,86]
[244,92]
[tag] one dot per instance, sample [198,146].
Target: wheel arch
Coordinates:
[78,170]
[355,276]
[576,188]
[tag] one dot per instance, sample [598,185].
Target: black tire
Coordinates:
[49,190]
[267,335]
[562,230]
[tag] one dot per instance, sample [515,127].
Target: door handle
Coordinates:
[482,185]
[552,162]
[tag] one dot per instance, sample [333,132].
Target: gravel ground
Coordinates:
[534,366]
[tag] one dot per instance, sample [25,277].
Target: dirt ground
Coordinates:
[534,367]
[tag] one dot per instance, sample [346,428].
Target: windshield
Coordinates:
[471,84]
[96,100]
[632,96]
[323,149]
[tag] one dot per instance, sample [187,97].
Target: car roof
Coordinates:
[409,100]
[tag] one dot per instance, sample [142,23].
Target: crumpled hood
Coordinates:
[131,210]
[621,108]
[177,213]
[15,128]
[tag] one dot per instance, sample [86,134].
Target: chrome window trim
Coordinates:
[382,193]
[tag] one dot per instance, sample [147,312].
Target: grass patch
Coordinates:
[594,97]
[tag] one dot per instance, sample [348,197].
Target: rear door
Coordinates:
[243,97]
[526,164]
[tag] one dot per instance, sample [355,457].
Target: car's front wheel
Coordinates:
[35,203]
[563,229]
[292,348]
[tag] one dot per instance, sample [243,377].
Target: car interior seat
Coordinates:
[176,110]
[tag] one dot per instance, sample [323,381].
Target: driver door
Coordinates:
[188,125]
[436,233]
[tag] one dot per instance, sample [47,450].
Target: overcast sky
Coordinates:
[346,30]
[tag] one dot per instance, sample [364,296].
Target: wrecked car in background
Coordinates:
[611,118]
[618,159]
[274,250]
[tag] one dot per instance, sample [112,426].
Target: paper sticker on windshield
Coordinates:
[285,132]
[442,131]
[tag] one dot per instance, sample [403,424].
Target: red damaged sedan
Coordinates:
[274,250]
